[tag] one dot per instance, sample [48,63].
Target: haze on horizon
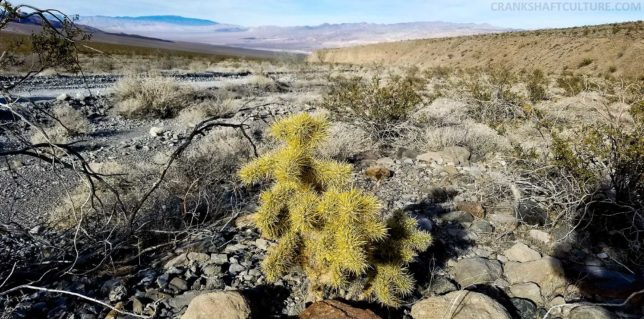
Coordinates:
[539,13]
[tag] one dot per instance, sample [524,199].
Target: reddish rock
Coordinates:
[331,309]
[474,208]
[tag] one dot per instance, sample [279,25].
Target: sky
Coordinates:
[531,14]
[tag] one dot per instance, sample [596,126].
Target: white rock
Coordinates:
[156,131]
[546,272]
[222,305]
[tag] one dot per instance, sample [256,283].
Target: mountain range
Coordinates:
[293,38]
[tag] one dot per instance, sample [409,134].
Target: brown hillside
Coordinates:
[614,48]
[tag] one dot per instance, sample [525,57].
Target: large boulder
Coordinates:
[331,309]
[477,270]
[546,272]
[218,305]
[461,304]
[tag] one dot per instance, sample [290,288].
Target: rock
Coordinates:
[505,222]
[540,236]
[219,259]
[245,221]
[118,293]
[531,213]
[379,172]
[137,305]
[178,284]
[521,252]
[198,257]
[457,216]
[235,269]
[528,290]
[62,97]
[406,153]
[481,226]
[385,161]
[438,285]
[477,270]
[526,309]
[430,157]
[212,270]
[461,304]
[261,243]
[221,305]
[178,261]
[332,309]
[590,312]
[156,131]
[546,272]
[474,208]
[457,155]
[234,248]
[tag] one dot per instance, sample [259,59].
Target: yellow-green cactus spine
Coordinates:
[324,225]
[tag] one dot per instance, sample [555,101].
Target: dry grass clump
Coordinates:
[478,138]
[203,179]
[344,141]
[195,114]
[441,112]
[67,122]
[145,96]
[262,82]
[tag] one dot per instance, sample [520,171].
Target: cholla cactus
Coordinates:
[322,224]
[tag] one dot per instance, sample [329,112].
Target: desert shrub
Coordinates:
[571,83]
[491,97]
[441,112]
[608,161]
[262,82]
[345,141]
[322,224]
[537,84]
[585,62]
[218,105]
[378,106]
[66,122]
[478,138]
[149,96]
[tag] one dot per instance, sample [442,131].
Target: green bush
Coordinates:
[537,83]
[571,83]
[608,161]
[378,105]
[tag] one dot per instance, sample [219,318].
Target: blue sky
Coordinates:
[309,12]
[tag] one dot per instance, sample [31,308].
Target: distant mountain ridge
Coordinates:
[168,19]
[293,38]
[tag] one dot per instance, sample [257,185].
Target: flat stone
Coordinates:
[521,252]
[332,309]
[261,243]
[461,304]
[179,261]
[198,257]
[590,312]
[386,161]
[474,208]
[481,226]
[477,270]
[457,216]
[219,259]
[546,272]
[528,290]
[178,284]
[235,269]
[505,222]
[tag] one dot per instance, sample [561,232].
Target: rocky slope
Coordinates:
[606,49]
